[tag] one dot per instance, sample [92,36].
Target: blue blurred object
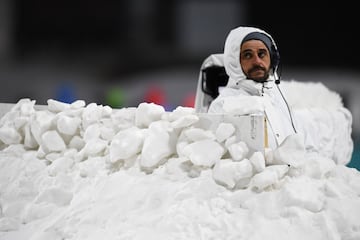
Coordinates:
[65,93]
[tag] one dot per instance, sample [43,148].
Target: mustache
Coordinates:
[256,68]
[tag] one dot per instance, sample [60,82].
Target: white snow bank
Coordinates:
[320,115]
[77,171]
[311,95]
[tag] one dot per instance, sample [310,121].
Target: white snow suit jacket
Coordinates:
[263,97]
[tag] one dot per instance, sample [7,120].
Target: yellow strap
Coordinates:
[266,141]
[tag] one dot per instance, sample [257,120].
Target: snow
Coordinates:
[77,171]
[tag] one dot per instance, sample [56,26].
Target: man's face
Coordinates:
[255,60]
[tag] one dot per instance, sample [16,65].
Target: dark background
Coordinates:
[311,36]
[307,35]
[91,46]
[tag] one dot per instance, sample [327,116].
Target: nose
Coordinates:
[257,60]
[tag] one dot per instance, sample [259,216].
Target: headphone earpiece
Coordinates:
[275,57]
[275,61]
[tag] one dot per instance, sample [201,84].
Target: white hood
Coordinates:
[232,54]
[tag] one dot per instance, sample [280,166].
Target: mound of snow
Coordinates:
[77,171]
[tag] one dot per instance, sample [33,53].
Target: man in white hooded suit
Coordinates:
[251,60]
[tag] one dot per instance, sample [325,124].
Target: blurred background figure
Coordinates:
[130,45]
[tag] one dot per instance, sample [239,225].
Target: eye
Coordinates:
[247,55]
[262,53]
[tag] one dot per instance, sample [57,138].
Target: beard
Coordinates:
[258,74]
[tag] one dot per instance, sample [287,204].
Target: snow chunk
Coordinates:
[59,165]
[52,141]
[224,131]
[291,151]
[147,113]
[92,132]
[9,135]
[185,121]
[91,114]
[158,145]
[68,125]
[180,112]
[93,147]
[238,151]
[258,161]
[57,106]
[270,176]
[126,144]
[233,174]
[198,134]
[204,153]
[40,122]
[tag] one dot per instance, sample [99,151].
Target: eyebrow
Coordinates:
[246,50]
[250,50]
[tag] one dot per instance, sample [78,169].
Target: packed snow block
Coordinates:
[258,161]
[224,131]
[146,113]
[9,135]
[184,121]
[291,151]
[41,122]
[60,165]
[271,175]
[14,122]
[52,142]
[238,151]
[158,145]
[68,125]
[247,128]
[23,107]
[181,117]
[232,174]
[126,144]
[204,153]
[197,134]
[94,147]
[93,113]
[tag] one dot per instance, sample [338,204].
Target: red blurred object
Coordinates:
[189,100]
[155,94]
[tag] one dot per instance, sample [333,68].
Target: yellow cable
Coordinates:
[266,141]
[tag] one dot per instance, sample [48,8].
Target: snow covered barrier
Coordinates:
[80,171]
[148,136]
